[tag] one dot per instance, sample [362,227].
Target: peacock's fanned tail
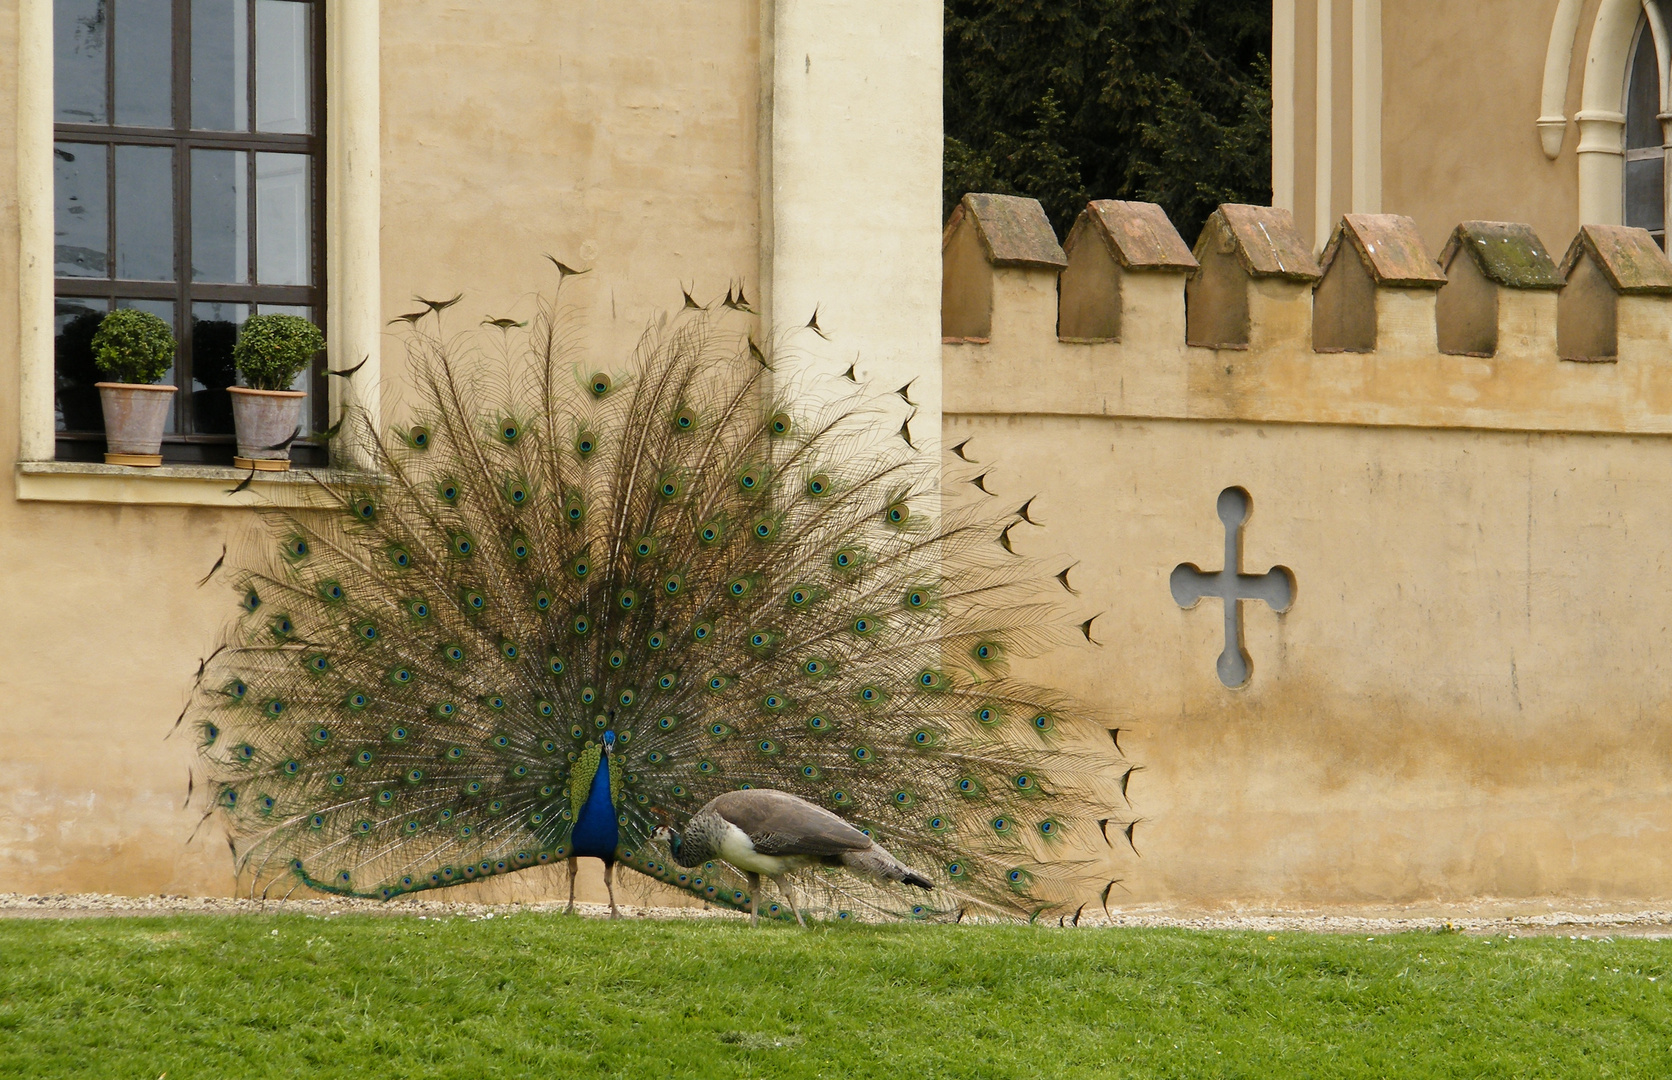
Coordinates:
[749,587]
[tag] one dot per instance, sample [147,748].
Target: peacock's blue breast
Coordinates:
[596,832]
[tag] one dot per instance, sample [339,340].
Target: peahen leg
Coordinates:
[783,884]
[570,910]
[609,884]
[754,899]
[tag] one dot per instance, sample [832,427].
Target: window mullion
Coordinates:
[250,206]
[249,67]
[230,140]
[249,157]
[110,66]
[185,410]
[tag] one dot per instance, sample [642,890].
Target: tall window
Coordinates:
[189,183]
[1645,195]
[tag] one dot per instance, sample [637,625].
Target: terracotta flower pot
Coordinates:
[264,419]
[134,415]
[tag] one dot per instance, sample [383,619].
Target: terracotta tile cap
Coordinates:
[1137,233]
[1630,257]
[1014,230]
[1389,247]
[1507,252]
[1264,239]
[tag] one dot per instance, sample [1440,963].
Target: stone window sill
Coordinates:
[173,485]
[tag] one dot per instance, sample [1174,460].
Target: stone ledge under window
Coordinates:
[174,485]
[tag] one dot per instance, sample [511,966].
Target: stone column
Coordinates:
[851,190]
[353,208]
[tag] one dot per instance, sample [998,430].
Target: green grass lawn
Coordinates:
[556,997]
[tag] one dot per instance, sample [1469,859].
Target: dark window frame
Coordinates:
[183,446]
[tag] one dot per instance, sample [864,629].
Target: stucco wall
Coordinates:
[1461,86]
[1467,696]
[623,138]
[1431,109]
[620,137]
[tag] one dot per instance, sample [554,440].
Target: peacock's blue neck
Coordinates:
[596,833]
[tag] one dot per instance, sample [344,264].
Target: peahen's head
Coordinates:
[674,841]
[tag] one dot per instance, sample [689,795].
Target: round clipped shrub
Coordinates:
[133,347]
[273,349]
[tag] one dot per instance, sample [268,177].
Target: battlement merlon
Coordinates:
[1124,320]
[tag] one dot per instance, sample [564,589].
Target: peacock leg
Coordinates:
[570,910]
[783,884]
[754,898]
[609,884]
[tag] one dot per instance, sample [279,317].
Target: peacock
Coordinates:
[572,603]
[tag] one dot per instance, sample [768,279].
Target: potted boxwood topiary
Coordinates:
[133,349]
[271,351]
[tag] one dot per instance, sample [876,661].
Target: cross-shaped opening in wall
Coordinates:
[1191,584]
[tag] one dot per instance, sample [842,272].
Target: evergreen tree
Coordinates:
[1166,101]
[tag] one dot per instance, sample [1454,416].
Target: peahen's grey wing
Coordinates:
[778,823]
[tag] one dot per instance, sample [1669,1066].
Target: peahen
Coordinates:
[762,831]
[581,601]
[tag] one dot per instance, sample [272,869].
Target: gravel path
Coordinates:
[1571,919]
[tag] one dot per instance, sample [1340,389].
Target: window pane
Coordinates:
[78,402]
[78,60]
[164,310]
[220,71]
[282,220]
[145,213]
[1643,94]
[281,65]
[220,216]
[144,62]
[1645,195]
[81,215]
[214,332]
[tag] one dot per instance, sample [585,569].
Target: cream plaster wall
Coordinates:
[1461,91]
[853,198]
[626,138]
[1428,109]
[619,137]
[1466,698]
[616,136]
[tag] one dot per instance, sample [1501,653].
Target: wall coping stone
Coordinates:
[1265,241]
[1508,253]
[1630,258]
[1139,234]
[1390,248]
[1014,231]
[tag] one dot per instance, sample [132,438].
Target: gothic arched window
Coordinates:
[1645,180]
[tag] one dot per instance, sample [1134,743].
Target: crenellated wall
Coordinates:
[1249,327]
[1464,466]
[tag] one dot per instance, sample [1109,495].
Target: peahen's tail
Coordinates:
[748,581]
[879,865]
